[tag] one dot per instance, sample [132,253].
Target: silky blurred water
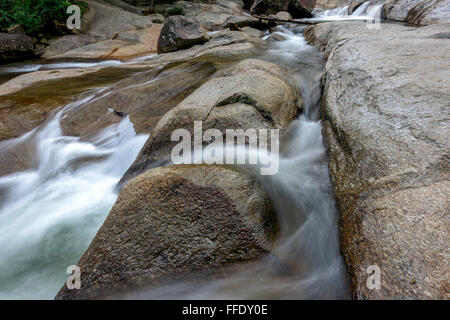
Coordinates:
[50,213]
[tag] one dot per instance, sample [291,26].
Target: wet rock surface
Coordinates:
[173,221]
[385,116]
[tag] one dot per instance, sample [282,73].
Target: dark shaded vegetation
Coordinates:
[37,16]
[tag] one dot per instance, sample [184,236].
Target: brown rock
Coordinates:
[16,29]
[428,12]
[173,221]
[213,15]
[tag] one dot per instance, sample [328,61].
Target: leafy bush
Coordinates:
[174,11]
[35,15]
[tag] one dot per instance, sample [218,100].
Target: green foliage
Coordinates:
[35,15]
[174,11]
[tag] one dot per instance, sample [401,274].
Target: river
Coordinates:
[50,212]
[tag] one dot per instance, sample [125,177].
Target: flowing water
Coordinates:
[306,262]
[50,213]
[364,12]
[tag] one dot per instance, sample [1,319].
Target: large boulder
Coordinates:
[144,97]
[27,100]
[213,15]
[254,94]
[421,12]
[428,12]
[173,221]
[297,8]
[180,32]
[15,46]
[386,128]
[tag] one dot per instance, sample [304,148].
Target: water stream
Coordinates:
[50,212]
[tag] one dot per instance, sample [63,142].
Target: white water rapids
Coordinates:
[50,213]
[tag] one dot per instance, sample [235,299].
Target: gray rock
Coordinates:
[15,46]
[283,15]
[331,4]
[253,94]
[103,20]
[173,221]
[252,32]
[225,45]
[386,127]
[211,16]
[66,43]
[180,32]
[421,12]
[398,9]
[144,97]
[158,18]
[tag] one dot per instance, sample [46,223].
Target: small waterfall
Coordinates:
[50,213]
